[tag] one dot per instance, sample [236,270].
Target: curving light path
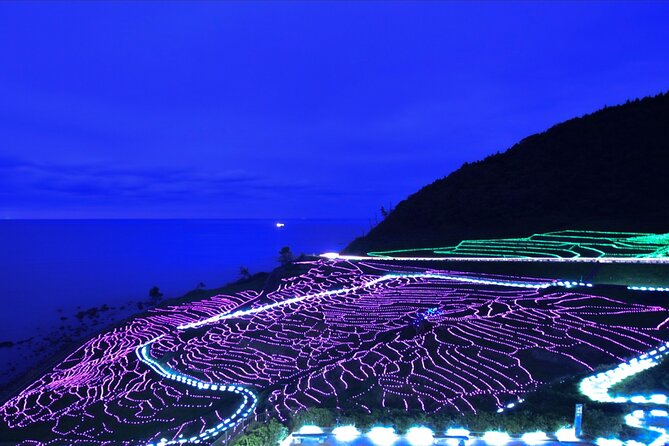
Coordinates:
[597,388]
[246,407]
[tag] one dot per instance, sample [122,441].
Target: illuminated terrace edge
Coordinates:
[550,246]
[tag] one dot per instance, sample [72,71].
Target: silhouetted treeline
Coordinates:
[607,170]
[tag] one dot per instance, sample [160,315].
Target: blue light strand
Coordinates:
[248,404]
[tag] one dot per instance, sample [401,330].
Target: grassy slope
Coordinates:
[653,380]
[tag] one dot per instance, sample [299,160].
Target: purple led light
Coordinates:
[343,334]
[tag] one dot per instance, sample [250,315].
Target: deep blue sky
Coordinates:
[301,109]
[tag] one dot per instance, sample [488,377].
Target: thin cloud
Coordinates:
[69,182]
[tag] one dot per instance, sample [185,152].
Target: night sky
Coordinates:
[292,110]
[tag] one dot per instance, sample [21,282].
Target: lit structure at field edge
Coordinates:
[382,436]
[343,333]
[496,437]
[420,436]
[425,436]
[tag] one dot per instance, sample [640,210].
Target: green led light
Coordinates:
[559,244]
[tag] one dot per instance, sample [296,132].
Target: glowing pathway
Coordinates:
[597,388]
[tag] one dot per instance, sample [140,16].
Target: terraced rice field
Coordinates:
[344,334]
[569,244]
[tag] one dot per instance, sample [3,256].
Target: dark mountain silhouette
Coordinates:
[608,170]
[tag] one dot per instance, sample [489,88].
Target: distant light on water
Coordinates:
[280,225]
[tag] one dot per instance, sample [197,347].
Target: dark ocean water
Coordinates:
[52,269]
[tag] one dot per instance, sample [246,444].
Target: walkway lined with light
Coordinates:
[597,388]
[539,284]
[246,407]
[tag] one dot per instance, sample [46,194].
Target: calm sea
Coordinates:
[50,270]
